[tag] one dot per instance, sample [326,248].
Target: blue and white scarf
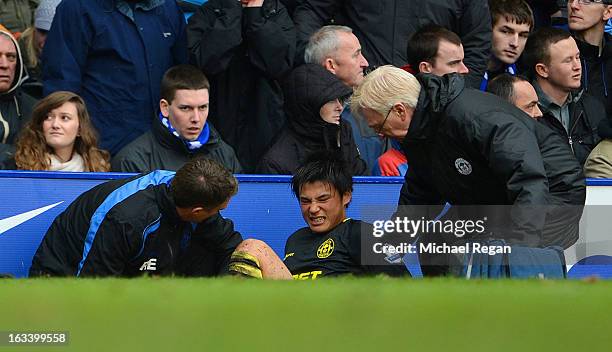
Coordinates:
[510,69]
[191,145]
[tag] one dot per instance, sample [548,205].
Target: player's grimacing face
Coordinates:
[323,208]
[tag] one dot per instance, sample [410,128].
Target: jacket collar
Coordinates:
[591,52]
[166,202]
[146,5]
[546,104]
[436,93]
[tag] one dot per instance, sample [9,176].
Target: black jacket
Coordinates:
[564,173]
[130,227]
[384,26]
[586,113]
[467,147]
[307,88]
[597,71]
[290,150]
[243,52]
[566,184]
[159,149]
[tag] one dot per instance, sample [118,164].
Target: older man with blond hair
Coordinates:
[464,146]
[457,152]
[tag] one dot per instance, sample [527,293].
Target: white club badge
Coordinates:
[463,166]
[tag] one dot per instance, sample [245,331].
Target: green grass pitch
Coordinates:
[377,314]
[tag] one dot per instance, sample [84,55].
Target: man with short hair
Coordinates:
[512,22]
[457,145]
[161,223]
[15,105]
[565,177]
[436,50]
[517,91]
[180,131]
[338,50]
[552,57]
[587,20]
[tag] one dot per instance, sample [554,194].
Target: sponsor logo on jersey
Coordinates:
[325,249]
[310,275]
[149,265]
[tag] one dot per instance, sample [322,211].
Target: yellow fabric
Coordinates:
[238,265]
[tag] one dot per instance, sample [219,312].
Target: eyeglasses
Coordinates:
[384,121]
[587,2]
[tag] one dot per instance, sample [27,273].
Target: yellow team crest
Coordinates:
[325,249]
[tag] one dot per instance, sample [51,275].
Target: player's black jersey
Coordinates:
[310,255]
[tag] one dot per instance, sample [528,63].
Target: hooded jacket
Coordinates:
[15,105]
[467,147]
[599,162]
[307,88]
[159,149]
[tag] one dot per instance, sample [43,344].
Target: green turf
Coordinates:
[327,315]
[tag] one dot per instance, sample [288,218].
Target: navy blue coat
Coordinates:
[113,61]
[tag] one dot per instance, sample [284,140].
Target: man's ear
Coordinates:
[346,198]
[401,110]
[330,65]
[425,67]
[607,13]
[164,107]
[541,70]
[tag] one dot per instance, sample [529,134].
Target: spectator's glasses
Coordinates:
[587,2]
[384,121]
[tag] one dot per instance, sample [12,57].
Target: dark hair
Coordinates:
[537,49]
[203,183]
[503,86]
[423,44]
[324,166]
[182,77]
[517,11]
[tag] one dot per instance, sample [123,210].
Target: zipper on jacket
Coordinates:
[576,122]
[559,126]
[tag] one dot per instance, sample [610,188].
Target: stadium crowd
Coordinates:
[473,102]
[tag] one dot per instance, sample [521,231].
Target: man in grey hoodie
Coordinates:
[15,105]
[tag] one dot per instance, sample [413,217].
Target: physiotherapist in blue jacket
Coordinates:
[159,223]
